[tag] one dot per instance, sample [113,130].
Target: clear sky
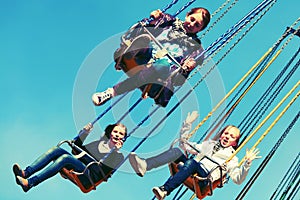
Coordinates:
[55,54]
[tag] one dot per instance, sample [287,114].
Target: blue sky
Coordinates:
[55,54]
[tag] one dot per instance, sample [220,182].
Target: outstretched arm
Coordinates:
[251,155]
[185,130]
[83,134]
[187,124]
[160,19]
[238,175]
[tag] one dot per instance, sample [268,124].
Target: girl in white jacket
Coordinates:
[208,155]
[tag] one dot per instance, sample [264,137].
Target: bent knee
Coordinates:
[177,151]
[190,162]
[64,157]
[55,148]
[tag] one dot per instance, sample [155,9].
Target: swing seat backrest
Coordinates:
[133,55]
[130,66]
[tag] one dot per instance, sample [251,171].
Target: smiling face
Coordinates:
[193,23]
[196,20]
[117,134]
[230,136]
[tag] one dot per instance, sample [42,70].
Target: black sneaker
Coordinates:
[18,171]
[23,183]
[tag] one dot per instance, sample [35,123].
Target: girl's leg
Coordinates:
[190,167]
[66,160]
[138,80]
[141,166]
[171,155]
[42,161]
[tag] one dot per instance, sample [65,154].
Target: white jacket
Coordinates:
[237,174]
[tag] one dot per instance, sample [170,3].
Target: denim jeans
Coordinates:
[61,159]
[190,167]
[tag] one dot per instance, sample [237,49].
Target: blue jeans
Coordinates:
[189,168]
[61,159]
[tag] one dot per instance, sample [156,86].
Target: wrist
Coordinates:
[248,162]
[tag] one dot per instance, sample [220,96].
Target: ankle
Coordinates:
[112,91]
[28,171]
[25,182]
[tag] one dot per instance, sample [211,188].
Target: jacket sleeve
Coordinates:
[238,174]
[165,20]
[180,77]
[184,131]
[79,139]
[200,60]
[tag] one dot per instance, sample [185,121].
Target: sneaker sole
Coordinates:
[156,193]
[24,188]
[16,170]
[133,163]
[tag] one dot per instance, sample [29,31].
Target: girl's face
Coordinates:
[230,136]
[193,23]
[117,134]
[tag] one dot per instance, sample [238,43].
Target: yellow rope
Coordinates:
[193,196]
[220,8]
[243,94]
[269,128]
[228,94]
[243,78]
[263,122]
[197,69]
[272,125]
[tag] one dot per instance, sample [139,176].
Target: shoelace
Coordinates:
[105,96]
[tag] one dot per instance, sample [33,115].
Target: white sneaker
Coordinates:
[102,97]
[138,164]
[160,194]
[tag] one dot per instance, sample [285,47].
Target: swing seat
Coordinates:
[130,51]
[135,55]
[80,181]
[83,180]
[194,183]
[126,57]
[130,66]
